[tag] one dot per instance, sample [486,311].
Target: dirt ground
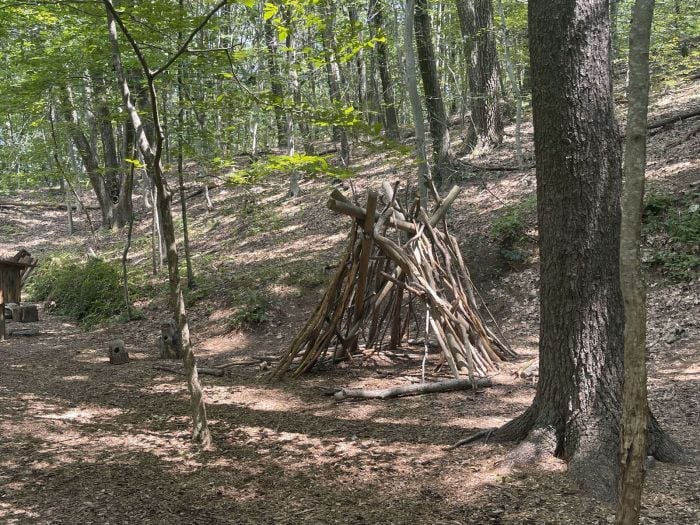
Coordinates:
[85,442]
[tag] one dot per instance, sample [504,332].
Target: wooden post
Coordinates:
[367,233]
[117,353]
[2,316]
[168,341]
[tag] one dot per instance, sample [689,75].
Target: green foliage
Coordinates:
[253,311]
[286,165]
[509,229]
[90,292]
[672,229]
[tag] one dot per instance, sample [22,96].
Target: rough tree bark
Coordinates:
[416,107]
[578,403]
[437,118]
[476,24]
[633,443]
[152,155]
[375,19]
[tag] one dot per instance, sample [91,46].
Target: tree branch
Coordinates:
[137,50]
[187,41]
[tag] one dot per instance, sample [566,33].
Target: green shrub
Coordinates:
[287,164]
[89,292]
[509,229]
[672,228]
[253,312]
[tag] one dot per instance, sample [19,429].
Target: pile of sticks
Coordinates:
[401,274]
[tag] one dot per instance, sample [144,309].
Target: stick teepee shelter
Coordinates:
[401,271]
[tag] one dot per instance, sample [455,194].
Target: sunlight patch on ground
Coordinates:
[83,415]
[468,423]
[165,388]
[225,344]
[264,399]
[13,514]
[76,378]
[306,245]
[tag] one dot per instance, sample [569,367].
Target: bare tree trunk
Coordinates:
[87,155]
[375,18]
[514,84]
[634,439]
[124,208]
[437,119]
[152,155]
[476,24]
[180,162]
[360,65]
[112,168]
[125,254]
[276,89]
[416,107]
[334,80]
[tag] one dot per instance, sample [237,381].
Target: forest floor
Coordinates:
[85,442]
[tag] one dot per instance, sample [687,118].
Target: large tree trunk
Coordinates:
[375,21]
[578,403]
[437,118]
[476,24]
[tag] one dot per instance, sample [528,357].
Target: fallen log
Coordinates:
[481,167]
[450,385]
[47,205]
[695,112]
[246,362]
[204,371]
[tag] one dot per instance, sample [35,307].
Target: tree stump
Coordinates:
[117,353]
[168,341]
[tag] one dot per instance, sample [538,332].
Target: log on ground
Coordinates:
[450,385]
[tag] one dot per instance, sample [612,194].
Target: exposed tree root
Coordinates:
[540,441]
[661,446]
[486,433]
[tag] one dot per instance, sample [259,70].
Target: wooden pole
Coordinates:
[2,316]
[367,237]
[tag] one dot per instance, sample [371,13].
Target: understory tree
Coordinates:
[152,152]
[633,442]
